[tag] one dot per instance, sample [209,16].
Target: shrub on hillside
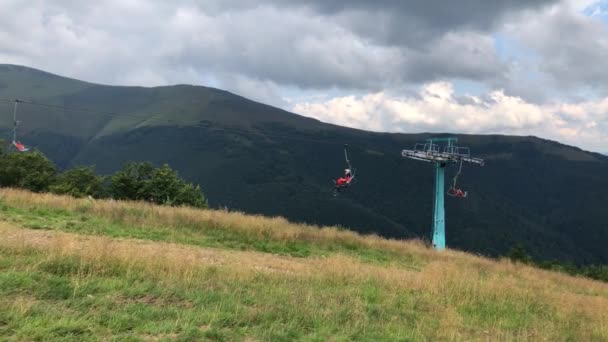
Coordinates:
[519,254]
[79,182]
[597,272]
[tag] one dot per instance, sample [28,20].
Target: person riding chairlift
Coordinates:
[344,181]
[20,147]
[453,190]
[457,192]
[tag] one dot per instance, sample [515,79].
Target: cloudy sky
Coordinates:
[537,67]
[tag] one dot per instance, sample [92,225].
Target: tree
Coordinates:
[79,182]
[164,186]
[191,195]
[31,171]
[130,183]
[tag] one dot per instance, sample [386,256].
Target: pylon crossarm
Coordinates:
[441,157]
[472,160]
[429,156]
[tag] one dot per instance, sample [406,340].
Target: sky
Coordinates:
[471,66]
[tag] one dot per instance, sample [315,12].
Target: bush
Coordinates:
[79,182]
[141,181]
[597,272]
[519,254]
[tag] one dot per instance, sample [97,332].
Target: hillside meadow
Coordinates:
[88,270]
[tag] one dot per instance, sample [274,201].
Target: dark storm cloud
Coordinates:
[364,45]
[413,41]
[420,19]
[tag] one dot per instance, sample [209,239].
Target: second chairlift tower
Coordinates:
[450,155]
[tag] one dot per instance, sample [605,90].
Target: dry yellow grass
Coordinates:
[453,280]
[142,213]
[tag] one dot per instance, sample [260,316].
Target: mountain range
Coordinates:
[252,157]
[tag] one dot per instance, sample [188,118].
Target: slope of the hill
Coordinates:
[252,157]
[105,270]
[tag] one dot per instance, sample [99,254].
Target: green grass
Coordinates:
[69,298]
[81,221]
[66,298]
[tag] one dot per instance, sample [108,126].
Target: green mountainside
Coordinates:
[259,159]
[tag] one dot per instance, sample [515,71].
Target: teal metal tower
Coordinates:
[450,154]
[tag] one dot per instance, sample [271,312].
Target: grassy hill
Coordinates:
[259,159]
[106,270]
[116,109]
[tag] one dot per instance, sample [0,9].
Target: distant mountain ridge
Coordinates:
[256,158]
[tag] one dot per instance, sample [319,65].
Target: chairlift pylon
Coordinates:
[429,152]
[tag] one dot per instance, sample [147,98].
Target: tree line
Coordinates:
[598,272]
[135,181]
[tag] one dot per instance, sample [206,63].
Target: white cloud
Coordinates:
[580,5]
[570,49]
[438,109]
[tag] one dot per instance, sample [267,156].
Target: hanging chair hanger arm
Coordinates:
[346,156]
[457,174]
[15,122]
